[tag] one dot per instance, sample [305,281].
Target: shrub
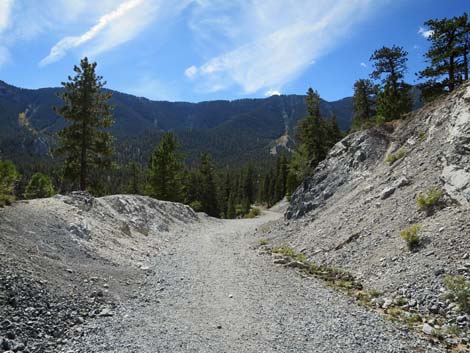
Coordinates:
[432,198]
[393,157]
[263,241]
[39,186]
[196,206]
[8,177]
[459,291]
[410,235]
[253,213]
[284,250]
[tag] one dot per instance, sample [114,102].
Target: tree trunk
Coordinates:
[83,161]
[451,74]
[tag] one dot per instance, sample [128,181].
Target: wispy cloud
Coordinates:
[191,72]
[425,33]
[273,42]
[4,56]
[363,64]
[59,50]
[6,7]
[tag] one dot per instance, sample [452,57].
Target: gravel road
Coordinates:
[210,291]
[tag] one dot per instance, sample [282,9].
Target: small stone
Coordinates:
[462,318]
[219,327]
[427,329]
[387,303]
[465,256]
[387,192]
[230,296]
[412,303]
[69,270]
[106,312]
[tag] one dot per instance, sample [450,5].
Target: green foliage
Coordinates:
[393,100]
[83,141]
[459,291]
[430,199]
[196,206]
[165,167]
[411,236]
[284,250]
[364,101]
[254,212]
[393,157]
[8,177]
[39,186]
[262,241]
[231,212]
[447,56]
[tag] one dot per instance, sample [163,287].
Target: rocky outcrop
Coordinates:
[349,160]
[350,212]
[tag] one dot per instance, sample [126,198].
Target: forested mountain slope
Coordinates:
[231,130]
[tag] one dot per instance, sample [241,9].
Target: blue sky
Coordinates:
[195,50]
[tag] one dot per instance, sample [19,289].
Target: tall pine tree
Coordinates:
[364,101]
[389,68]
[447,56]
[165,169]
[84,142]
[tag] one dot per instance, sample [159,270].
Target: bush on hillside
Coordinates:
[411,236]
[39,186]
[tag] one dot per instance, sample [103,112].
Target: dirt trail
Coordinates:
[212,292]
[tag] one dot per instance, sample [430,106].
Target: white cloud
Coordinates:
[4,56]
[272,92]
[273,42]
[425,33]
[191,72]
[363,64]
[6,7]
[115,27]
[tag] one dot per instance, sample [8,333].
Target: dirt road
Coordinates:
[212,292]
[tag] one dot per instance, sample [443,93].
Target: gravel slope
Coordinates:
[210,291]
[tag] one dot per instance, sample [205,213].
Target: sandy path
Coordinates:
[211,292]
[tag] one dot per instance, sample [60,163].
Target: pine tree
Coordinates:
[84,142]
[231,212]
[311,130]
[208,189]
[165,169]
[389,68]
[8,178]
[364,101]
[447,56]
[39,186]
[134,185]
[248,185]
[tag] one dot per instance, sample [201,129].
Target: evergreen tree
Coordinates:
[134,185]
[248,185]
[8,178]
[231,213]
[364,101]
[165,169]
[390,67]
[208,189]
[39,186]
[84,142]
[311,130]
[447,56]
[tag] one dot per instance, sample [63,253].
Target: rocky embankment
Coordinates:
[70,259]
[350,213]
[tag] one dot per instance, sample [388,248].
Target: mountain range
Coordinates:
[232,131]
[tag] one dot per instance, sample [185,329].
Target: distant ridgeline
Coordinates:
[234,132]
